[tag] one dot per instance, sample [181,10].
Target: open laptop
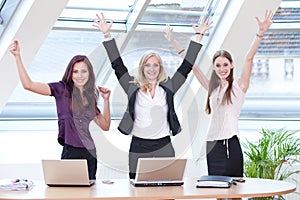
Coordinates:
[66,172]
[162,171]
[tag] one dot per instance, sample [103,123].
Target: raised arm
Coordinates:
[263,26]
[200,31]
[112,51]
[28,84]
[191,54]
[196,70]
[200,77]
[103,120]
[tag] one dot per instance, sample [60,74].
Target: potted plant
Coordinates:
[272,156]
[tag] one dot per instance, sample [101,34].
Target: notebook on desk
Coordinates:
[214,181]
[66,172]
[159,172]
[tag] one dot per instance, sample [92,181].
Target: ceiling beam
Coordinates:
[134,17]
[99,57]
[30,24]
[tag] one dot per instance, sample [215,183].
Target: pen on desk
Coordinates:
[19,180]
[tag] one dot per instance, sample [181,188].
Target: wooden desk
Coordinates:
[121,189]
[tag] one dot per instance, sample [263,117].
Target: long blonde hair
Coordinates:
[141,80]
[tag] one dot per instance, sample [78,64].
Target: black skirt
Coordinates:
[145,148]
[70,152]
[225,157]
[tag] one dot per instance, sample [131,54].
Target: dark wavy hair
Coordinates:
[215,81]
[89,89]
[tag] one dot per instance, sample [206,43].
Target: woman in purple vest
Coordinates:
[76,101]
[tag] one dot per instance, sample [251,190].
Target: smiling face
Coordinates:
[151,69]
[80,75]
[222,67]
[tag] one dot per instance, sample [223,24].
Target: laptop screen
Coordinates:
[160,169]
[66,172]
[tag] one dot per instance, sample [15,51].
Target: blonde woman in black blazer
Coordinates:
[150,116]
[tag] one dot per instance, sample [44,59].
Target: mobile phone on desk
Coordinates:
[239,180]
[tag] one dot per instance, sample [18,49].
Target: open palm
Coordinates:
[264,25]
[101,24]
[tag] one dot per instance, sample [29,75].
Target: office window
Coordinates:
[289,69]
[7,8]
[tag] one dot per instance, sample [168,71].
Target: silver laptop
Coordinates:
[159,172]
[66,172]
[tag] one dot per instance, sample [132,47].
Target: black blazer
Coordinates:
[171,86]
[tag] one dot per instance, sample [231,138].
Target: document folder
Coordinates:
[214,181]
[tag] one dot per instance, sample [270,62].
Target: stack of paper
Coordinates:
[214,181]
[15,184]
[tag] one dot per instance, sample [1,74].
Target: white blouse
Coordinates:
[151,115]
[224,118]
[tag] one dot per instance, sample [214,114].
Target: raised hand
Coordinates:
[264,25]
[102,25]
[14,48]
[104,92]
[169,33]
[203,26]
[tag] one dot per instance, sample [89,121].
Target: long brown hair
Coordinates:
[89,89]
[215,81]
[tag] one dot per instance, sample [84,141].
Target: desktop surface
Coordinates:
[122,189]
